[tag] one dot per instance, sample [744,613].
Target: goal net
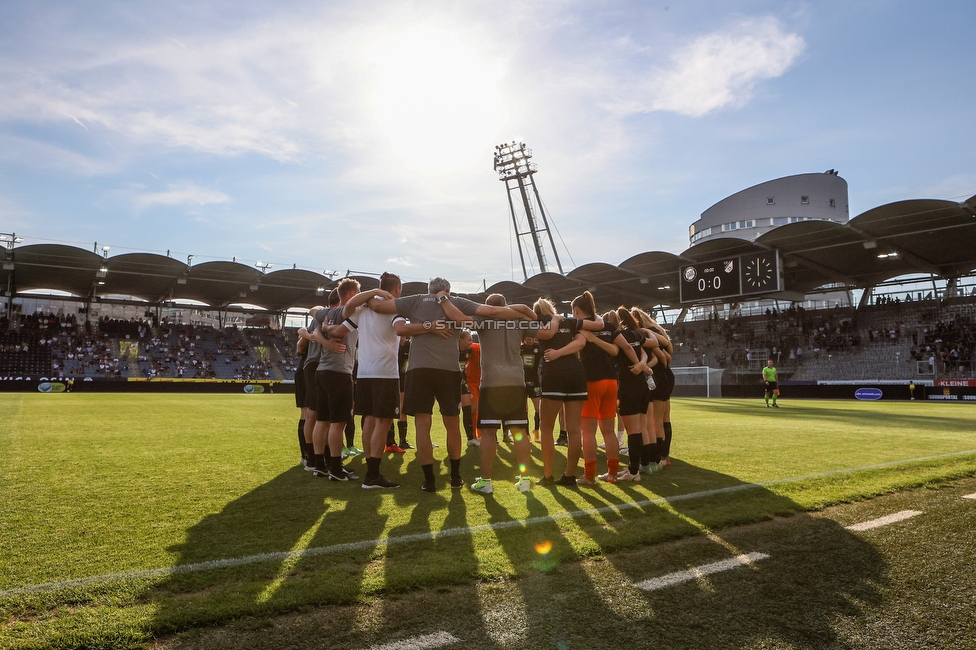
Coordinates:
[697,381]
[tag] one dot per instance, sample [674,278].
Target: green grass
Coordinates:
[102,484]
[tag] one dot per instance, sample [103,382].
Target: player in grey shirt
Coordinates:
[433,372]
[503,395]
[333,378]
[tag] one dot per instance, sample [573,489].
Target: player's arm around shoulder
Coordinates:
[452,312]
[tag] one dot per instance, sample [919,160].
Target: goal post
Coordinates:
[697,381]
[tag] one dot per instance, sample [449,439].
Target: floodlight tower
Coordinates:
[515,169]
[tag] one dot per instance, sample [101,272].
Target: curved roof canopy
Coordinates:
[906,237]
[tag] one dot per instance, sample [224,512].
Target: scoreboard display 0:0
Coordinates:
[703,281]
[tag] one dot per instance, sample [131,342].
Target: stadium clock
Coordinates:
[760,272]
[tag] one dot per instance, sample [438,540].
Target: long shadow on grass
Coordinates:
[815,572]
[287,513]
[816,569]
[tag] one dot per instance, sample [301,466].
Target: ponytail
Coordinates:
[585,303]
[627,319]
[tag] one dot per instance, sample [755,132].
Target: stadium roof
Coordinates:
[917,236]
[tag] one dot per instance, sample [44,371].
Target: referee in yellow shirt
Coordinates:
[769,381]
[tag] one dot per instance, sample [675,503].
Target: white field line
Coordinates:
[678,577]
[884,521]
[281,556]
[436,640]
[970,496]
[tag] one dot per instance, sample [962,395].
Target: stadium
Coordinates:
[141,509]
[885,298]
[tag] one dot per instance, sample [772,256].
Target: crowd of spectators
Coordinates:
[69,347]
[791,335]
[118,348]
[951,343]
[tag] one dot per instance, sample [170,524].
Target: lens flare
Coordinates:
[522,468]
[518,437]
[543,548]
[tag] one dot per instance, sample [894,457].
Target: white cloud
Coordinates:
[185,194]
[401,261]
[395,109]
[717,70]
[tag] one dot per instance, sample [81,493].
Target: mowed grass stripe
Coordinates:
[164,572]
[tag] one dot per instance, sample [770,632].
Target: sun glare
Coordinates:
[436,100]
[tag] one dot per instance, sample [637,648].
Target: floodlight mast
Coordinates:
[515,169]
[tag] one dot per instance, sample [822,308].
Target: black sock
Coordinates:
[350,430]
[372,467]
[662,449]
[636,445]
[402,428]
[455,467]
[335,465]
[655,455]
[563,434]
[647,451]
[537,420]
[428,473]
[309,451]
[390,439]
[667,440]
[301,437]
[466,420]
[319,460]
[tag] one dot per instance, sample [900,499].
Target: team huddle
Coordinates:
[582,370]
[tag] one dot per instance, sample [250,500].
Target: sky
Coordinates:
[358,136]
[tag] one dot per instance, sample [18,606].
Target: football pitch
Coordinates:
[127,519]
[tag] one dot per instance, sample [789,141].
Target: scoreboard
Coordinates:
[732,277]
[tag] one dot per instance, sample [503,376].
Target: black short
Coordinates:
[664,379]
[379,398]
[311,388]
[771,387]
[465,389]
[335,395]
[633,397]
[300,388]
[502,406]
[533,391]
[425,385]
[564,386]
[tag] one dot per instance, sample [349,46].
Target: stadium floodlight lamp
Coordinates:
[189,259]
[664,288]
[10,239]
[105,250]
[320,291]
[264,267]
[884,256]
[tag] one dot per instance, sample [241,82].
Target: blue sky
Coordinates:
[359,135]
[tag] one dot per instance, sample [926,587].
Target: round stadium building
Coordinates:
[760,208]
